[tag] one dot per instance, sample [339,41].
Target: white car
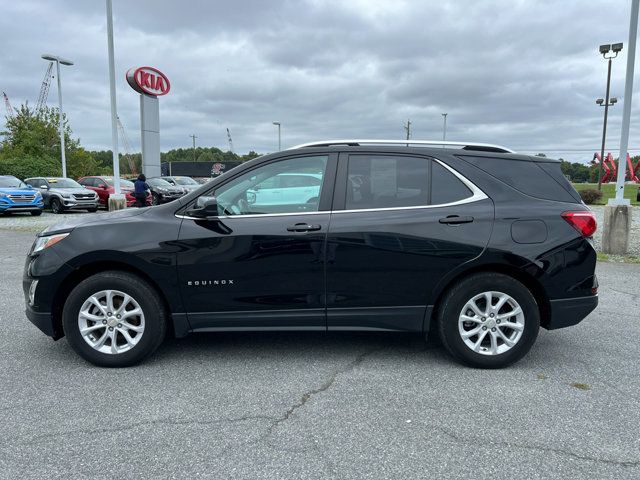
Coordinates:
[286,189]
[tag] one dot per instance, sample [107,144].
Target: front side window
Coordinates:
[286,186]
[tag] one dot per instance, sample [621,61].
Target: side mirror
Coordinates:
[205,207]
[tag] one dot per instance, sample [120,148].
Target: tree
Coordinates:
[31,146]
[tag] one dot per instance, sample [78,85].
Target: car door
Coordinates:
[258,268]
[400,223]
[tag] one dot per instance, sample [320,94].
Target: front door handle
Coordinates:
[303,227]
[455,220]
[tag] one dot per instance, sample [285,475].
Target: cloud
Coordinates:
[523,74]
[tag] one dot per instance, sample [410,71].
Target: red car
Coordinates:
[103,186]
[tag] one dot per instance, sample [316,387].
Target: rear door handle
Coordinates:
[303,227]
[455,220]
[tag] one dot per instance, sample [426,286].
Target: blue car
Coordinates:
[16,196]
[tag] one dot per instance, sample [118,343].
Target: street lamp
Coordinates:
[444,127]
[279,137]
[608,52]
[63,61]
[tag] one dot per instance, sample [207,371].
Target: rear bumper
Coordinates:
[567,312]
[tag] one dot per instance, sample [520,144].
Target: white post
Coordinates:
[118,198]
[150,131]
[61,121]
[626,112]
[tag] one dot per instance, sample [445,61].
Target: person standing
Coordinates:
[140,191]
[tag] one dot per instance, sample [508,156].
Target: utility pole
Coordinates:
[193,137]
[407,129]
[444,128]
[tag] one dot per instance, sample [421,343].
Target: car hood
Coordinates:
[69,190]
[100,218]
[18,191]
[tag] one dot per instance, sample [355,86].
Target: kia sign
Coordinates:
[148,80]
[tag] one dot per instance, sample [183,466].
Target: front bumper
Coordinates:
[6,206]
[44,321]
[567,312]
[74,204]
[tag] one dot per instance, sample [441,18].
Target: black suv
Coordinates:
[477,243]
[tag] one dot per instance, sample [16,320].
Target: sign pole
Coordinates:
[618,211]
[117,200]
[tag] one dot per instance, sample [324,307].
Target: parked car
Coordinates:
[16,196]
[285,189]
[478,245]
[162,191]
[103,186]
[62,194]
[188,183]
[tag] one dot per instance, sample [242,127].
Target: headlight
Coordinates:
[38,194]
[45,242]
[65,195]
[163,190]
[2,195]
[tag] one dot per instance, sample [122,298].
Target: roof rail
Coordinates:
[485,147]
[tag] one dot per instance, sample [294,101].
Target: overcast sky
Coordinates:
[524,74]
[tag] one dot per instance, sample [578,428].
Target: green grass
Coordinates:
[609,191]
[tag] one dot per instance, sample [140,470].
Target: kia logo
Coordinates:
[148,80]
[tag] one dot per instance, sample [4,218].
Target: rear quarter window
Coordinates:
[527,177]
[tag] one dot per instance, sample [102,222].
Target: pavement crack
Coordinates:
[133,426]
[621,291]
[326,385]
[537,448]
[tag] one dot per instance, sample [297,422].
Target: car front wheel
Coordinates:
[488,320]
[114,319]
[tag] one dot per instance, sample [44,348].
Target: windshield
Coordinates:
[158,182]
[185,181]
[63,183]
[123,183]
[11,182]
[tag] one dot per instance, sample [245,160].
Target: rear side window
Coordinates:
[446,187]
[387,181]
[384,181]
[527,177]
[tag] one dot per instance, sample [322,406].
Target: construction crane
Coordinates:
[8,106]
[230,141]
[127,148]
[44,88]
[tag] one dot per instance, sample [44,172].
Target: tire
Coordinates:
[155,199]
[491,351]
[78,310]
[36,213]
[56,206]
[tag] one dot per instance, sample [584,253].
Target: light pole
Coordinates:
[60,60]
[444,127]
[279,136]
[608,52]
[193,137]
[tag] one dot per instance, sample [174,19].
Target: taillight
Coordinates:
[583,222]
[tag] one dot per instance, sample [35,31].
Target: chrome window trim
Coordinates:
[476,196]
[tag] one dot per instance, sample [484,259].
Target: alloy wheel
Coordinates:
[111,321]
[491,323]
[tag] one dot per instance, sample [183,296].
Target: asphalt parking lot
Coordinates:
[292,405]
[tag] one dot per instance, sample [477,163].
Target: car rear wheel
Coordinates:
[56,206]
[488,320]
[114,319]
